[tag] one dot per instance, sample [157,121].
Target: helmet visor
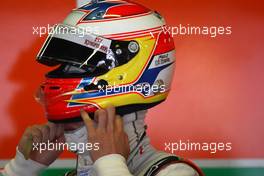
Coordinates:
[85,50]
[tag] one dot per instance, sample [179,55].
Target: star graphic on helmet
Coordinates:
[98,9]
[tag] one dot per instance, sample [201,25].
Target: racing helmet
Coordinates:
[106,52]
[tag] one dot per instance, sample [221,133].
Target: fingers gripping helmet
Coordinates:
[106,52]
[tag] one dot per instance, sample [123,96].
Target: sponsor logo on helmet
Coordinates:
[162,59]
[97,43]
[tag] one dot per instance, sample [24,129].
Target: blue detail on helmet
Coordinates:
[98,9]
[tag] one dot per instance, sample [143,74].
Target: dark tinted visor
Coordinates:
[87,51]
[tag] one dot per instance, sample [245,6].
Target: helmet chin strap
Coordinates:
[75,139]
[84,161]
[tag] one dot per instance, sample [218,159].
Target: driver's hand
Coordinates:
[38,134]
[108,132]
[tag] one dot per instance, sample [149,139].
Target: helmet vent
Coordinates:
[54,87]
